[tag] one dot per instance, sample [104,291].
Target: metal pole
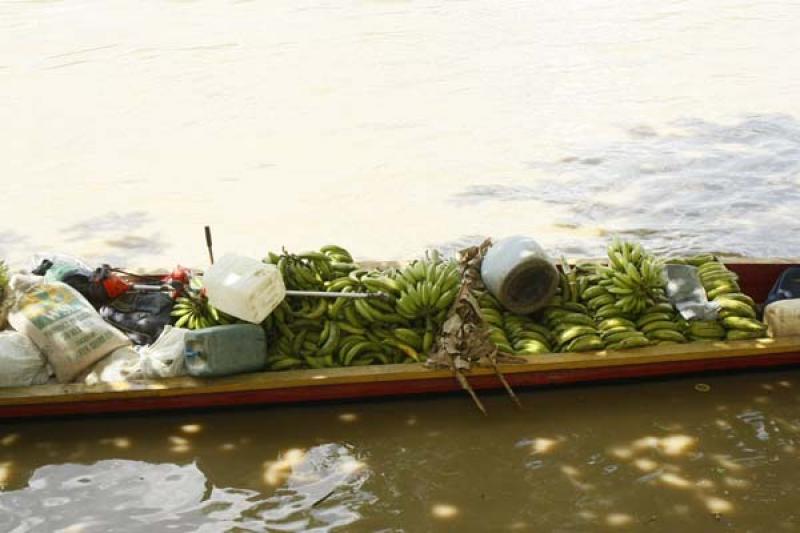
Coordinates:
[354,295]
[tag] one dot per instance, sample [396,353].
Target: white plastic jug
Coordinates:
[244,287]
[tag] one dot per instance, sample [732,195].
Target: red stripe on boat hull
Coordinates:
[395,388]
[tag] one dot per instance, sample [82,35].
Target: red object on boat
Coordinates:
[181,275]
[115,286]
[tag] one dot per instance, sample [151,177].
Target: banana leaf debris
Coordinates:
[464,338]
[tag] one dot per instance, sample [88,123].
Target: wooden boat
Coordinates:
[756,278]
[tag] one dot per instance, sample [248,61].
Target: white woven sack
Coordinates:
[63,325]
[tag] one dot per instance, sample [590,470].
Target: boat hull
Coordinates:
[412,379]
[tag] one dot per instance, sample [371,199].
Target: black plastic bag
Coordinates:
[786,287]
[98,286]
[140,315]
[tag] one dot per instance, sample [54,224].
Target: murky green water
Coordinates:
[389,126]
[661,456]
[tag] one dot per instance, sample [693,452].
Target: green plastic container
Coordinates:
[226,350]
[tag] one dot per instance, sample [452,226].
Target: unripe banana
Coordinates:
[593,292]
[620,336]
[618,329]
[577,319]
[574,332]
[531,347]
[666,335]
[652,317]
[409,336]
[631,342]
[736,307]
[739,335]
[585,343]
[616,322]
[743,324]
[599,301]
[722,289]
[659,324]
[706,329]
[738,296]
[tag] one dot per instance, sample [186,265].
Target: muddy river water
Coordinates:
[700,454]
[389,126]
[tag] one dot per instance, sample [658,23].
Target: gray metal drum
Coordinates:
[518,272]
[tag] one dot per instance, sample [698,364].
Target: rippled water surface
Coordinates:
[388,126]
[664,456]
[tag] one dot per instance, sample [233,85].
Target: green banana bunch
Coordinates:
[700,259]
[194,312]
[427,288]
[493,314]
[737,313]
[510,332]
[705,330]
[325,333]
[633,277]
[717,279]
[661,324]
[571,327]
[526,336]
[620,333]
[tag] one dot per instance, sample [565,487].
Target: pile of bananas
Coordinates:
[310,271]
[620,333]
[597,298]
[192,311]
[705,330]
[622,305]
[571,325]
[427,288]
[633,281]
[737,310]
[572,328]
[526,336]
[322,332]
[661,324]
[492,313]
[513,333]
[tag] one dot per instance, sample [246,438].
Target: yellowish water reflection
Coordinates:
[5,473]
[444,510]
[179,444]
[619,519]
[277,472]
[9,439]
[117,442]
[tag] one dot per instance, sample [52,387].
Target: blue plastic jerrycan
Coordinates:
[226,350]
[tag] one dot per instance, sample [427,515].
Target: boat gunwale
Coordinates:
[291,379]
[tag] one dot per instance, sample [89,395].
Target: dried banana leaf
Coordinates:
[464,337]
